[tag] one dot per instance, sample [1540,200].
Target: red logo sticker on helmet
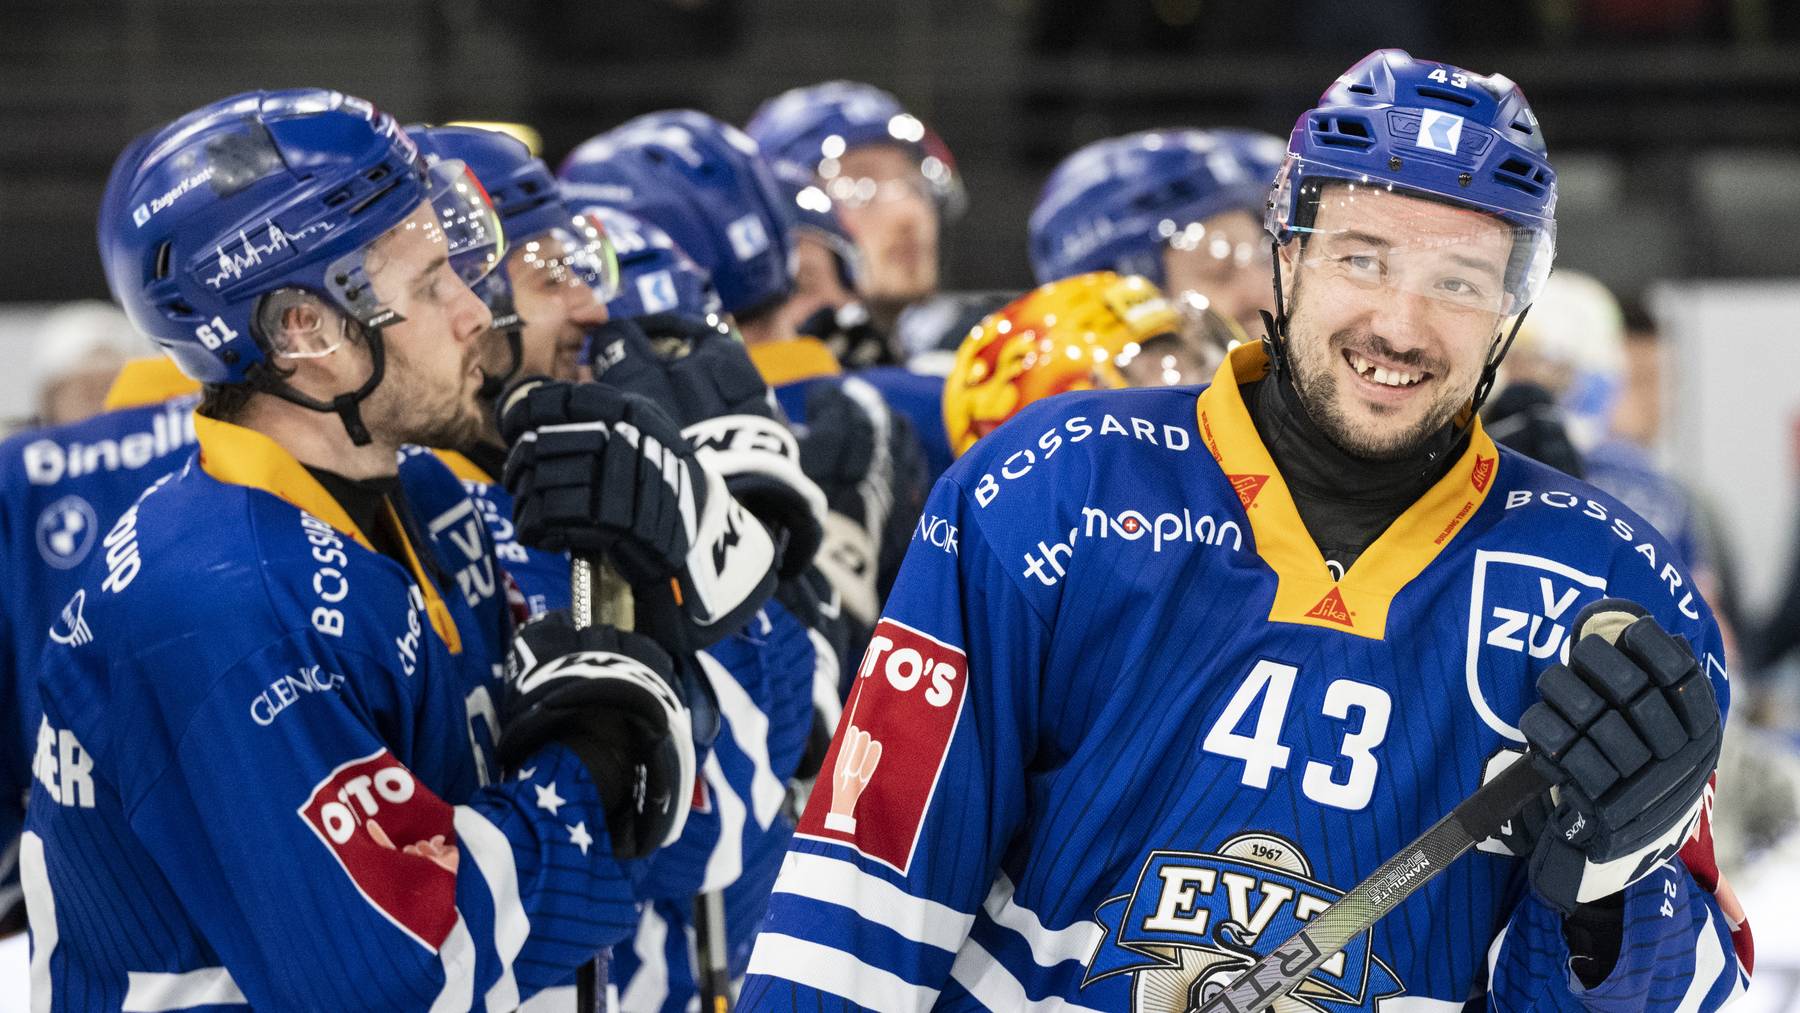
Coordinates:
[394,839]
[883,766]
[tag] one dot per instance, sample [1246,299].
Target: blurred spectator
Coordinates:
[83,346]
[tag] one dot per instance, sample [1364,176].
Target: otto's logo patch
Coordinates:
[1194,921]
[1247,487]
[1482,474]
[394,839]
[1331,608]
[65,532]
[890,746]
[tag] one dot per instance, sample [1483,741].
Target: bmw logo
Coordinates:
[65,532]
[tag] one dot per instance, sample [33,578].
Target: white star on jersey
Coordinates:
[578,836]
[547,798]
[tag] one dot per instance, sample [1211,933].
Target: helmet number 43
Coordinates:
[1458,79]
[214,334]
[1263,752]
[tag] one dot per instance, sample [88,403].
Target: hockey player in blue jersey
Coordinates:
[1198,660]
[1180,207]
[278,738]
[549,292]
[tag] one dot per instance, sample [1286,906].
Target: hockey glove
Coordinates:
[1628,732]
[613,698]
[598,471]
[702,375]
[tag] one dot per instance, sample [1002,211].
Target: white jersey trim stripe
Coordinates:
[1417,1004]
[40,910]
[750,730]
[458,955]
[149,992]
[1049,947]
[994,986]
[1709,960]
[648,989]
[835,881]
[726,863]
[828,970]
[494,857]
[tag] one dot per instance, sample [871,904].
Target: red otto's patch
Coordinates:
[1482,474]
[1331,609]
[414,892]
[1247,487]
[884,763]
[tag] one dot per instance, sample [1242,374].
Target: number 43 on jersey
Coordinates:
[1272,683]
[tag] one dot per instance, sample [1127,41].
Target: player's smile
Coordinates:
[1384,382]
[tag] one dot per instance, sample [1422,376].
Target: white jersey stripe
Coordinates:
[835,881]
[648,989]
[1049,947]
[994,986]
[40,910]
[726,863]
[1709,960]
[148,992]
[750,730]
[829,970]
[493,855]
[1417,1004]
[458,956]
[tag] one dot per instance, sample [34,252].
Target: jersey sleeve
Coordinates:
[306,843]
[922,788]
[1685,943]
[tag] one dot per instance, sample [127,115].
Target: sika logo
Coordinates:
[1331,609]
[1482,474]
[1247,487]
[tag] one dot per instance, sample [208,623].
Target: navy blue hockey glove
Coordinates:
[702,375]
[601,472]
[1629,733]
[614,699]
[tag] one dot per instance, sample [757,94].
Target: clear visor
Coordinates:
[929,179]
[455,232]
[1189,354]
[564,258]
[1375,235]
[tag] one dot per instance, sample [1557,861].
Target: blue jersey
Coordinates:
[737,832]
[1124,732]
[264,770]
[61,488]
[1627,473]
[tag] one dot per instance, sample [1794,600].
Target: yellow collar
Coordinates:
[785,362]
[146,381]
[463,468]
[1305,592]
[239,456]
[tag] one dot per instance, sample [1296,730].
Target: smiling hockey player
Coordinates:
[1199,660]
[275,713]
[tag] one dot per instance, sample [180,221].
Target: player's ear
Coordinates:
[297,324]
[1289,252]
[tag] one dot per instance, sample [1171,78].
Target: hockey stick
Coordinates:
[611,606]
[1474,819]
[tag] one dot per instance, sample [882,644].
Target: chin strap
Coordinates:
[492,386]
[1275,325]
[347,407]
[1491,370]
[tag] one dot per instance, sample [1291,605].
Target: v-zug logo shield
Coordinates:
[1196,920]
[1521,611]
[65,532]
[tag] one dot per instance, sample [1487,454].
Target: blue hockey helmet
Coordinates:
[703,182]
[549,246]
[1419,128]
[1114,204]
[815,125]
[815,216]
[655,276]
[267,191]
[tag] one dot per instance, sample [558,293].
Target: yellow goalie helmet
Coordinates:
[1071,334]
